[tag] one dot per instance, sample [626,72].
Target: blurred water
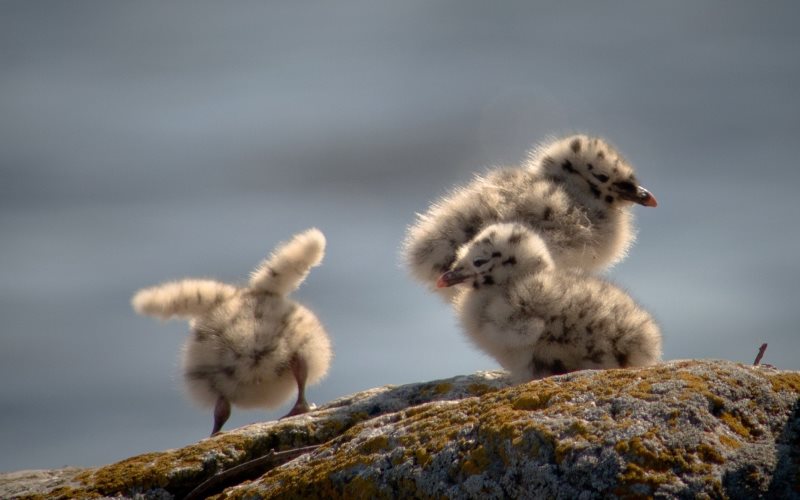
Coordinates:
[141,142]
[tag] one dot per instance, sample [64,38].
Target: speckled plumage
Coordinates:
[576,192]
[249,346]
[537,320]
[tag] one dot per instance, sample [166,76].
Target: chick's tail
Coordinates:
[289,264]
[185,299]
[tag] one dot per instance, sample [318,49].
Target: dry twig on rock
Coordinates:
[760,354]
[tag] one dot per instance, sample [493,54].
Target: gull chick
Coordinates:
[249,346]
[576,192]
[536,320]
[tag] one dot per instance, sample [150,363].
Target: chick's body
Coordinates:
[575,192]
[249,346]
[537,320]
[242,350]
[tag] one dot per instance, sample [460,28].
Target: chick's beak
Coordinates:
[451,278]
[640,196]
[643,197]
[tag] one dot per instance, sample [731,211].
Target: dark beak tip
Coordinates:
[645,198]
[649,200]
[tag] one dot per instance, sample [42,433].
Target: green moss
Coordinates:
[708,453]
[432,390]
[579,428]
[422,457]
[789,382]
[651,458]
[674,420]
[61,493]
[364,488]
[179,471]
[416,434]
[729,442]
[479,389]
[651,463]
[374,445]
[476,462]
[562,450]
[532,401]
[634,475]
[146,471]
[643,390]
[576,433]
[735,424]
[443,388]
[695,385]
[500,423]
[493,430]
[423,432]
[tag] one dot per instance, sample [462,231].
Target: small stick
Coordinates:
[247,470]
[760,354]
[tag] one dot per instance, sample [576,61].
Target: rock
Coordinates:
[36,482]
[688,429]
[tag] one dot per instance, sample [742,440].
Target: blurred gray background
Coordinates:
[146,141]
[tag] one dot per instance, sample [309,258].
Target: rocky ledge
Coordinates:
[688,429]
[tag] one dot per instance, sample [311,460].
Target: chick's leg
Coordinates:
[222,411]
[300,371]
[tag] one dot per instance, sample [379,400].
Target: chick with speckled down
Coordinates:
[537,320]
[249,346]
[576,192]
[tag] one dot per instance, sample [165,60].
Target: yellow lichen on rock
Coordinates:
[699,429]
[670,422]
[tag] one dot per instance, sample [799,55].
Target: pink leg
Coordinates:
[222,411]
[300,372]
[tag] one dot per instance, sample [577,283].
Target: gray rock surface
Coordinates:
[685,429]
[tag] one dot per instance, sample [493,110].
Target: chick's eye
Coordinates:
[479,262]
